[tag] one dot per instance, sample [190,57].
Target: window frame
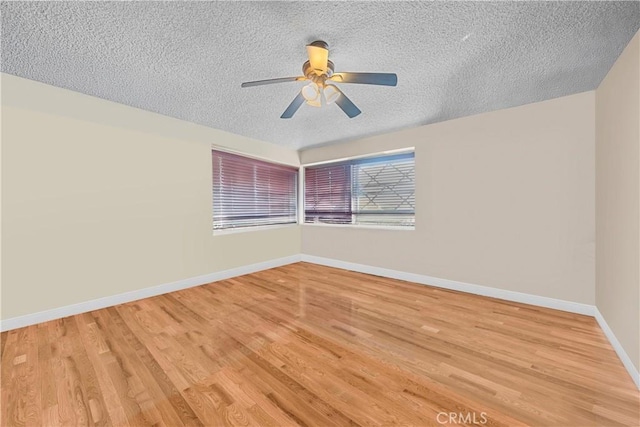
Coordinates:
[302,189]
[257,227]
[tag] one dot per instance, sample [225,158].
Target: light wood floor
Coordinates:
[316,346]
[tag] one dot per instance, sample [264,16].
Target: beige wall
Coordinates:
[99,199]
[504,199]
[618,199]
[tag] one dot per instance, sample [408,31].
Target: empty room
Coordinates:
[300,213]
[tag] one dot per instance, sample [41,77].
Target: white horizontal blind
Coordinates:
[249,192]
[327,194]
[371,191]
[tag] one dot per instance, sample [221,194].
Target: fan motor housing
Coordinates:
[307,71]
[320,43]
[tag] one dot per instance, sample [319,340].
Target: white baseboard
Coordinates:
[558,304]
[624,357]
[83,307]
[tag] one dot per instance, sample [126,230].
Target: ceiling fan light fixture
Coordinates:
[331,94]
[315,103]
[318,53]
[311,94]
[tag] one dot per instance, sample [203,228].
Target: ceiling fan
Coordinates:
[320,91]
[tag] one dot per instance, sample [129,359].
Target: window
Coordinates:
[370,191]
[249,192]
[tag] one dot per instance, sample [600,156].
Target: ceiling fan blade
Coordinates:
[318,57]
[347,106]
[272,81]
[381,79]
[293,107]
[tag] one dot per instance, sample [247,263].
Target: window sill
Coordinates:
[359,226]
[224,231]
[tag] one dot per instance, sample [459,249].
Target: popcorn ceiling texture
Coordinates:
[187,59]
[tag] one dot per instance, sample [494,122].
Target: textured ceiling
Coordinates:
[187,59]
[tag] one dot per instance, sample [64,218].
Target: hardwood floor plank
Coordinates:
[3,340]
[119,364]
[90,392]
[99,353]
[8,390]
[174,410]
[309,345]
[72,407]
[47,382]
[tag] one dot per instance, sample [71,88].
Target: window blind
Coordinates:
[374,191]
[327,194]
[249,192]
